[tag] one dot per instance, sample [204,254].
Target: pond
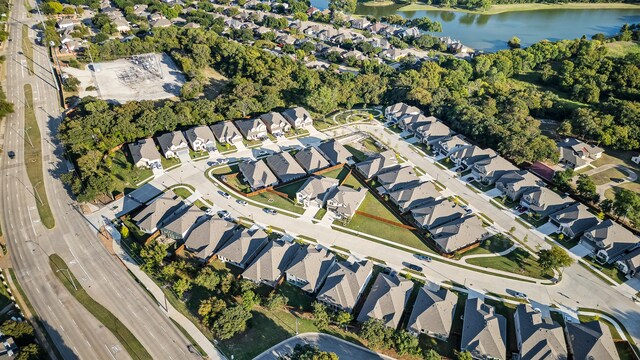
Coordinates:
[491,32]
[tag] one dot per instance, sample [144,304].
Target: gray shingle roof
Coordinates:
[346,200]
[458,233]
[184,220]
[398,178]
[612,237]
[386,300]
[591,340]
[175,138]
[311,265]
[250,127]
[296,113]
[436,213]
[344,284]
[317,187]
[274,121]
[472,154]
[400,109]
[373,165]
[335,152]
[224,130]
[577,217]
[143,149]
[546,201]
[159,211]
[285,167]
[199,132]
[414,195]
[271,261]
[243,245]
[541,338]
[433,312]
[484,332]
[257,174]
[206,237]
[311,159]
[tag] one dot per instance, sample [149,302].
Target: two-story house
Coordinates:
[433,313]
[145,154]
[397,111]
[344,285]
[315,190]
[226,133]
[386,300]
[577,154]
[298,117]
[276,124]
[514,184]
[309,268]
[343,201]
[487,171]
[608,241]
[201,138]
[173,144]
[252,129]
[573,220]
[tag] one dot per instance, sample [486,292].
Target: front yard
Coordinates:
[495,244]
[518,262]
[606,176]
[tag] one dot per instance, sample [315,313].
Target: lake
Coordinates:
[491,32]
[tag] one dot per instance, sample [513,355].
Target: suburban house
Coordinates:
[538,337]
[311,159]
[270,263]
[516,183]
[484,332]
[396,178]
[205,238]
[386,300]
[64,24]
[160,23]
[182,222]
[201,138]
[432,132]
[315,190]
[433,313]
[121,25]
[608,241]
[448,145]
[335,152]
[591,340]
[309,267]
[343,201]
[159,212]
[411,122]
[173,144]
[411,32]
[360,23]
[435,213]
[252,129]
[488,171]
[468,155]
[458,234]
[577,154]
[399,110]
[414,195]
[298,117]
[226,133]
[242,246]
[376,163]
[572,221]
[285,167]
[145,154]
[344,285]
[629,264]
[257,174]
[544,201]
[276,124]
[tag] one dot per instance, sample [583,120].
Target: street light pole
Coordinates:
[44,27]
[35,189]
[70,278]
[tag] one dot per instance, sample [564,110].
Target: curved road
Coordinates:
[342,348]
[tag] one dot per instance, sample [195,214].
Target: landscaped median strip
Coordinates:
[27,48]
[33,160]
[110,321]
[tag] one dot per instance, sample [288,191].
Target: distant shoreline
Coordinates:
[498,9]
[374,3]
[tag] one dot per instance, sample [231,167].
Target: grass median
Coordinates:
[110,321]
[27,48]
[33,160]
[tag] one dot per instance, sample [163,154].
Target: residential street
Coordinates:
[575,290]
[76,333]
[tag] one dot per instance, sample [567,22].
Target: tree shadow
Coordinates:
[54,339]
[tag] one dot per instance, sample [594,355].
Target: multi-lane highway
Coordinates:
[76,333]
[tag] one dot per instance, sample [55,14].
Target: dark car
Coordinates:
[11,154]
[269,211]
[415,267]
[617,180]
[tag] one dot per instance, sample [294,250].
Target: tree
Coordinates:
[376,334]
[554,258]
[514,42]
[210,308]
[309,352]
[627,203]
[52,7]
[586,188]
[231,321]
[343,318]
[464,355]
[152,255]
[432,355]
[347,6]
[249,300]
[17,329]
[207,278]
[320,316]
[562,179]
[181,286]
[405,343]
[276,301]
[29,352]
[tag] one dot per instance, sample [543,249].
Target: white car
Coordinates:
[225,195]
[520,295]
[242,202]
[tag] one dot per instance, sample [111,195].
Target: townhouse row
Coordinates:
[203,138]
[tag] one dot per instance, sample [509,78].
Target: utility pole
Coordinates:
[44,27]
[70,278]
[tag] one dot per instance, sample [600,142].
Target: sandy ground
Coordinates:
[109,79]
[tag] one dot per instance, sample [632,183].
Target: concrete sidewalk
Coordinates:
[159,296]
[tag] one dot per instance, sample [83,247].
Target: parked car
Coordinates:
[520,295]
[223,214]
[415,267]
[225,195]
[269,211]
[242,202]
[11,154]
[617,180]
[262,152]
[423,257]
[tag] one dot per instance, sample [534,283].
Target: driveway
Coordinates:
[493,193]
[342,348]
[547,229]
[580,250]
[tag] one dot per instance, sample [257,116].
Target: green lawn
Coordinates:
[275,200]
[182,192]
[339,173]
[605,176]
[357,154]
[608,269]
[352,182]
[33,160]
[518,262]
[447,163]
[320,214]
[126,173]
[622,48]
[5,298]
[225,148]
[494,244]
[374,227]
[167,163]
[119,330]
